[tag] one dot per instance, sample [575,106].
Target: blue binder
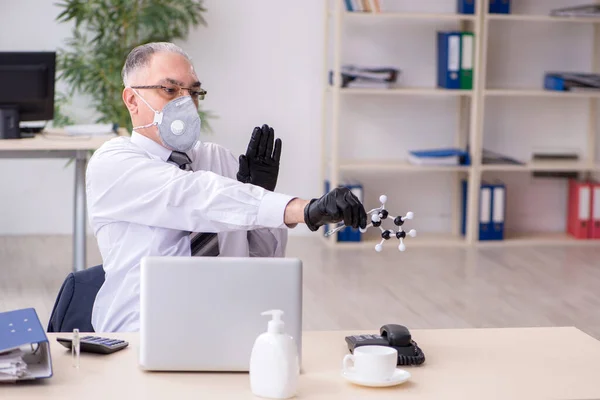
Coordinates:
[499,7]
[465,6]
[464,199]
[441,155]
[485,211]
[448,59]
[498,211]
[24,347]
[492,209]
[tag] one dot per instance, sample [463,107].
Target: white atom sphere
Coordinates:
[375,218]
[412,233]
[383,198]
[402,247]
[378,247]
[409,215]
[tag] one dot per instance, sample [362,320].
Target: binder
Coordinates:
[357,5]
[499,7]
[443,156]
[465,6]
[485,212]
[595,222]
[498,211]
[557,83]
[467,60]
[491,212]
[568,81]
[448,59]
[464,199]
[579,209]
[24,347]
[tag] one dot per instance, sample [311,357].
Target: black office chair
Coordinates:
[73,306]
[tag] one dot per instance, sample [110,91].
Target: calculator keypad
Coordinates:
[100,340]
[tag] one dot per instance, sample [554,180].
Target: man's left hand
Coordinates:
[260,165]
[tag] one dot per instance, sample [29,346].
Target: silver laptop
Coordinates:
[204,313]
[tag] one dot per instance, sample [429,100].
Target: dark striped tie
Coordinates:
[202,244]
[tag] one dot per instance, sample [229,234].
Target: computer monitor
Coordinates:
[26,89]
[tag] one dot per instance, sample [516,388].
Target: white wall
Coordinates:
[261,63]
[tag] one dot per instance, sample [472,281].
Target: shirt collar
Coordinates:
[150,146]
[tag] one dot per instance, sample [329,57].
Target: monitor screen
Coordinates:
[27,83]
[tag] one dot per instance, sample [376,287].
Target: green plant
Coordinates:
[104,32]
[60,118]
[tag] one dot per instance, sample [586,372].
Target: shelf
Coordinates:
[404,91]
[539,93]
[538,239]
[396,166]
[539,18]
[404,166]
[540,166]
[421,240]
[471,122]
[411,16]
[449,240]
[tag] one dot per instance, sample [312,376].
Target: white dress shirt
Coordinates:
[141,205]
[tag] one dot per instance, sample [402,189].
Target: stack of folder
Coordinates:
[455,60]
[571,81]
[495,7]
[355,76]
[489,157]
[24,347]
[492,210]
[363,5]
[583,210]
[450,156]
[584,11]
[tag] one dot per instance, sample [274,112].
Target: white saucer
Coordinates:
[400,376]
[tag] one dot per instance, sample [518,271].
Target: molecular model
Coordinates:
[377,217]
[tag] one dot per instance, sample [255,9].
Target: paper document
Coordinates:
[12,365]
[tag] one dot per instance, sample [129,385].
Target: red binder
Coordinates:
[595,221]
[579,209]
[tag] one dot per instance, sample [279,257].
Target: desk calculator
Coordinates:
[95,344]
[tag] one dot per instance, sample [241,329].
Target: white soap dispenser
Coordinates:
[274,365]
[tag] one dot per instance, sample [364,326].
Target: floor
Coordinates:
[361,289]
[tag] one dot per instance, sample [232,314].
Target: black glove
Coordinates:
[260,165]
[338,205]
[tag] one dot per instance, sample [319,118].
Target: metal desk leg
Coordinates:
[79,217]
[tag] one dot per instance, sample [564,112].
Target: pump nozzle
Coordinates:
[276,324]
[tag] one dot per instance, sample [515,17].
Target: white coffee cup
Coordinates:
[373,363]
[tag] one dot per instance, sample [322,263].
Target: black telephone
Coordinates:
[391,335]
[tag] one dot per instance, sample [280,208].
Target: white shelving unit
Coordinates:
[470,129]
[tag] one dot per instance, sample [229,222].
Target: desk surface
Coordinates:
[55,139]
[528,363]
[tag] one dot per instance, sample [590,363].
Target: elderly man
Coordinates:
[162,192]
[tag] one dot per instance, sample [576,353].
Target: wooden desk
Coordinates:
[536,363]
[55,144]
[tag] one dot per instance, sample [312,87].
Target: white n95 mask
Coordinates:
[178,123]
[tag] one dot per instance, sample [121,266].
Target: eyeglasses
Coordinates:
[172,90]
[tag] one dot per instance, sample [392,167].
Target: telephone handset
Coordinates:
[391,335]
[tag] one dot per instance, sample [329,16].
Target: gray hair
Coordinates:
[140,56]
